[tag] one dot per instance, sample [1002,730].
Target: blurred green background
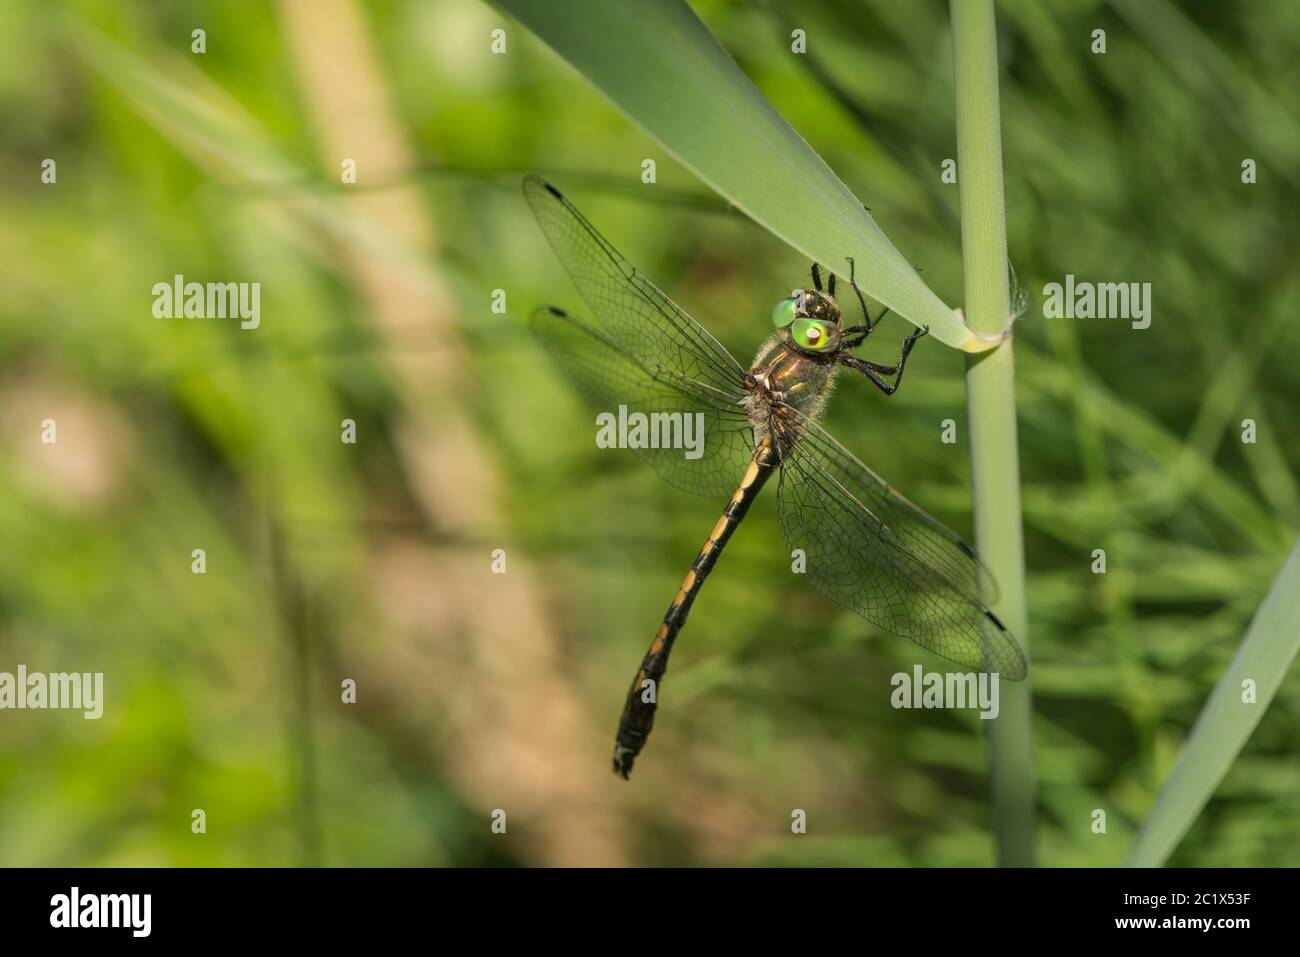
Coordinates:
[328,561]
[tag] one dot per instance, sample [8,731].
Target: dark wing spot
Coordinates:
[557,311]
[552,190]
[966,548]
[994,618]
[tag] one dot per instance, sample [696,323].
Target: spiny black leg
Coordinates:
[907,348]
[865,368]
[897,367]
[874,370]
[817,277]
[861,299]
[852,337]
[830,286]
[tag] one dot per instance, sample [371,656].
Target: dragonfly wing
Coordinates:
[608,377]
[633,312]
[873,551]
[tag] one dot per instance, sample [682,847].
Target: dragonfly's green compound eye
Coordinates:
[783,314]
[813,334]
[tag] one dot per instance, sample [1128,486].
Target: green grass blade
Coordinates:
[991,401]
[662,68]
[1226,722]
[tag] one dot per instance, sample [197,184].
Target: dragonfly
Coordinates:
[865,546]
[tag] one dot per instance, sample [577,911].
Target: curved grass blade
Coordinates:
[662,68]
[1226,722]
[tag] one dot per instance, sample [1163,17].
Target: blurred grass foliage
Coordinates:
[326,560]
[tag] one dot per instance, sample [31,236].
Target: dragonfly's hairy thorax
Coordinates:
[785,379]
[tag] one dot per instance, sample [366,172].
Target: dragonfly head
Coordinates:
[810,320]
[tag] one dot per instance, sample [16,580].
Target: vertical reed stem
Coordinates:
[990,396]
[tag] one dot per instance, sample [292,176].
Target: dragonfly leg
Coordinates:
[817,277]
[853,281]
[853,336]
[875,370]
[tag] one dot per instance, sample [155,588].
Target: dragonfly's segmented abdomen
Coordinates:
[642,698]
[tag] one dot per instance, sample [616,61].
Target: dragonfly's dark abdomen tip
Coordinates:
[994,618]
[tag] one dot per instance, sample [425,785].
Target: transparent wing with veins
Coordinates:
[632,312]
[871,550]
[606,377]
